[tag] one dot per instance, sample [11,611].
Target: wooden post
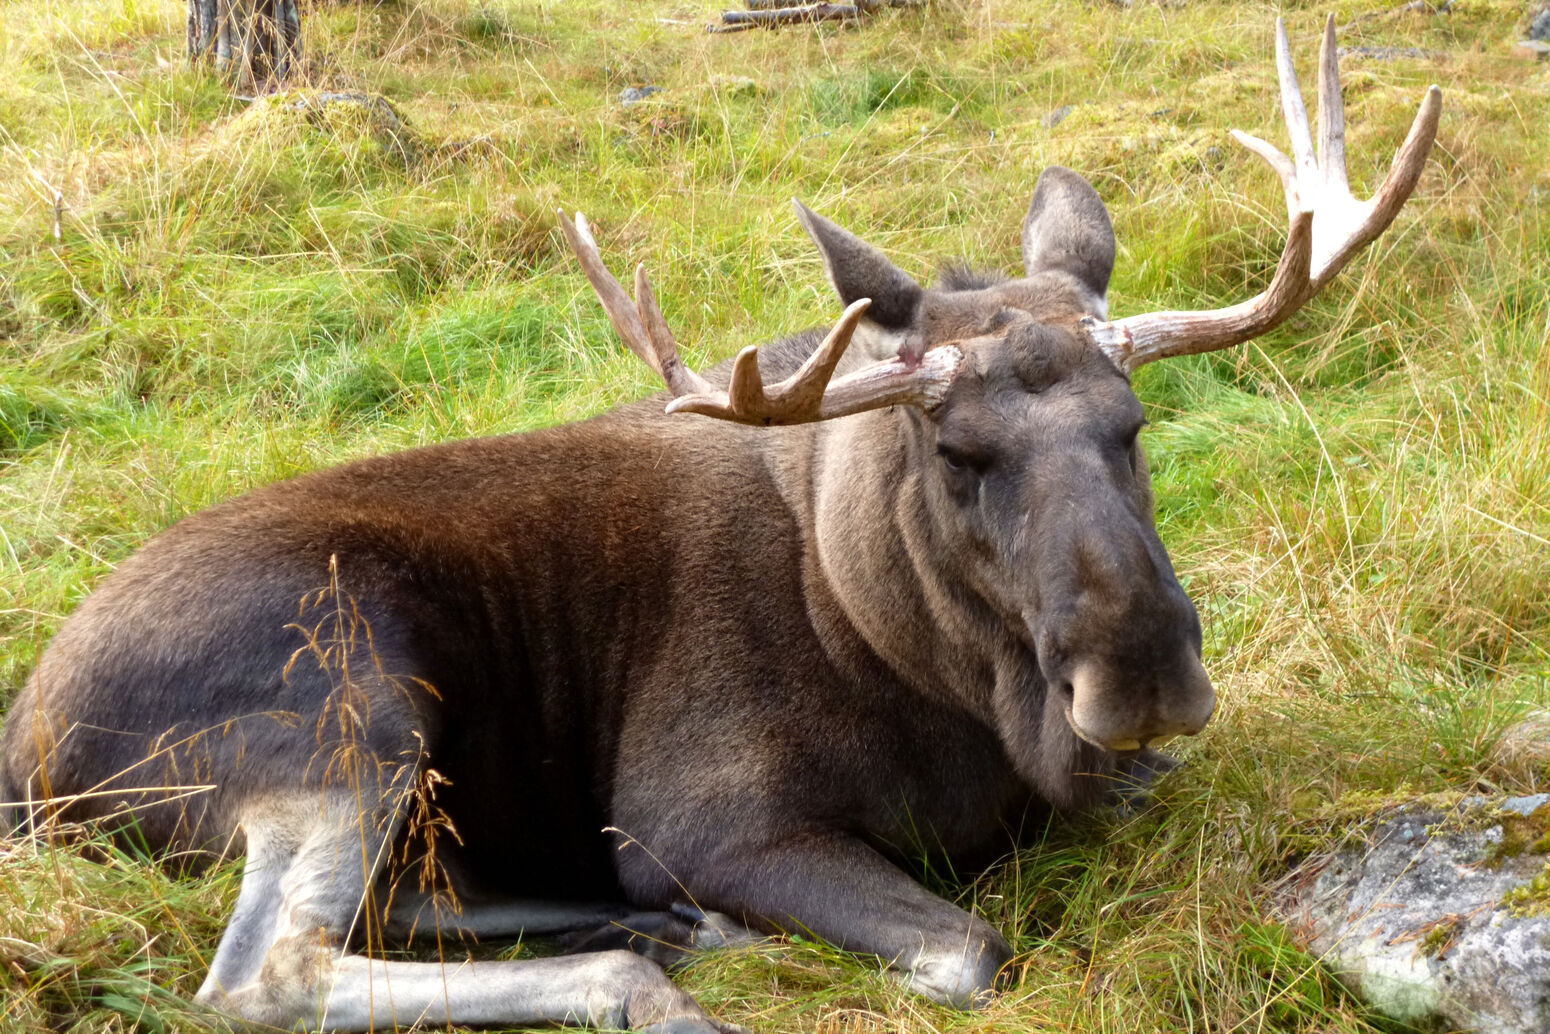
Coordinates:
[253,43]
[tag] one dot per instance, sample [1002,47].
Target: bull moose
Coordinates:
[685,676]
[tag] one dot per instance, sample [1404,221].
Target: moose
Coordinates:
[658,681]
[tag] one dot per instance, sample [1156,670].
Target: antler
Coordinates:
[805,396]
[1328,224]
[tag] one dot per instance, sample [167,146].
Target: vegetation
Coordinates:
[240,291]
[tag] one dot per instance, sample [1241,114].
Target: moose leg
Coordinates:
[842,890]
[418,916]
[614,990]
[283,962]
[664,937]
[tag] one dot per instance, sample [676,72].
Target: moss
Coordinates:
[1356,807]
[1531,899]
[1520,834]
[1440,937]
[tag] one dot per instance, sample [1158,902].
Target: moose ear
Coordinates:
[1068,231]
[858,270]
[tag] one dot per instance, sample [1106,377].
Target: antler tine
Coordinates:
[1328,225]
[1379,211]
[745,392]
[639,324]
[1283,166]
[811,380]
[799,398]
[679,378]
[805,396]
[1292,107]
[621,311]
[1331,113]
[808,395]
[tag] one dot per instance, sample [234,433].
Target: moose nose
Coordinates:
[1118,718]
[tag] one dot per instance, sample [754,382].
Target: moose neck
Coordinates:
[882,557]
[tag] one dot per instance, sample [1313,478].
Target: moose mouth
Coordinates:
[1117,747]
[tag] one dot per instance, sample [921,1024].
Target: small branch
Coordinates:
[770,14]
[792,15]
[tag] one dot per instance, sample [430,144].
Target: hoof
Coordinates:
[963,979]
[715,929]
[662,937]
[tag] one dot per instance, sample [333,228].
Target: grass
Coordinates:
[1360,502]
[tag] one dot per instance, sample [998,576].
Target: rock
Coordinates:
[1055,117]
[1525,806]
[1539,25]
[734,85]
[1539,50]
[350,111]
[379,107]
[633,95]
[1442,919]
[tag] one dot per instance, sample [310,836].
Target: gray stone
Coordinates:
[1539,25]
[1055,117]
[633,95]
[1414,922]
[1525,806]
[386,124]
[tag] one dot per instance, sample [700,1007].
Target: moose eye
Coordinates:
[959,461]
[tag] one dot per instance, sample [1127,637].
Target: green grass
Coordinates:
[1359,502]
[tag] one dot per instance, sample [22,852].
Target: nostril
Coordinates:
[1066,690]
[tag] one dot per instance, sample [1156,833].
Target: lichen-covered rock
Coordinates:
[1442,918]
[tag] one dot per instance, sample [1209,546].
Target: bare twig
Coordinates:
[769,14]
[793,15]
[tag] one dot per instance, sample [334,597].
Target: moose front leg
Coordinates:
[840,889]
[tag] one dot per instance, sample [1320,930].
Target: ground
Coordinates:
[228,292]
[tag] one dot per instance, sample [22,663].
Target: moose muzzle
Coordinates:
[1116,714]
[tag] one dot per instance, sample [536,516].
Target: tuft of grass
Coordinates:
[242,291]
